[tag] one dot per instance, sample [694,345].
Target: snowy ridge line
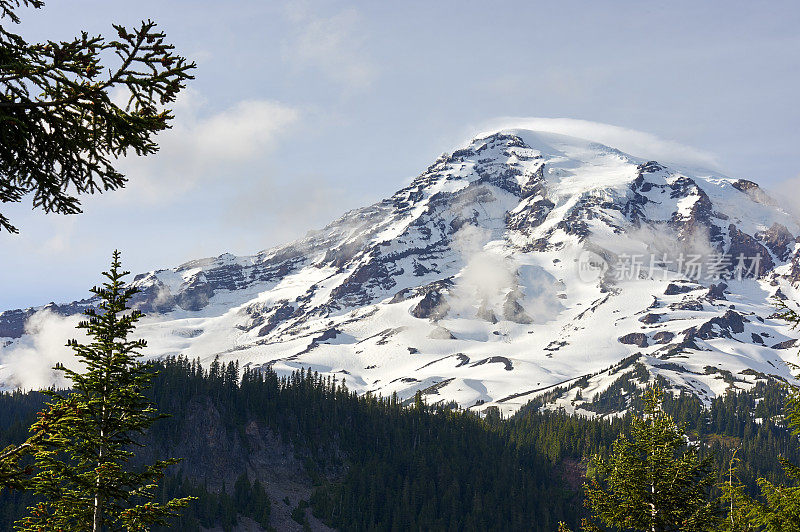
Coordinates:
[489,280]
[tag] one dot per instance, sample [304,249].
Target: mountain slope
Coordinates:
[521,262]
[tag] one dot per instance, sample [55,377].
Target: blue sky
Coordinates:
[302,110]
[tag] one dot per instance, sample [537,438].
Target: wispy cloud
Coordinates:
[785,193]
[631,141]
[28,363]
[334,45]
[490,281]
[203,146]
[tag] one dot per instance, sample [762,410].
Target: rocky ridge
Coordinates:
[519,265]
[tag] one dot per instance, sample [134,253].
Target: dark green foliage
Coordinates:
[60,130]
[749,424]
[538,456]
[652,480]
[379,440]
[417,469]
[221,509]
[776,506]
[89,434]
[377,464]
[616,397]
[12,473]
[299,515]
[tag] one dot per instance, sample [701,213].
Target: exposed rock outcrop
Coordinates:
[637,339]
[755,258]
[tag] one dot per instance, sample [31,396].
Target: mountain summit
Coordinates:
[524,264]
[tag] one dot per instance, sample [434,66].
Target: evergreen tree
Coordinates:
[376,465]
[91,430]
[778,507]
[735,501]
[653,481]
[60,130]
[12,475]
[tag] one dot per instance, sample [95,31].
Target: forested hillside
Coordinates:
[303,451]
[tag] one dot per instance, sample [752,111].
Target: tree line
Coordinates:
[382,463]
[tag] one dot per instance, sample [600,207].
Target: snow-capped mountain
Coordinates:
[524,264]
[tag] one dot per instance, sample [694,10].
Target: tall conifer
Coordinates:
[653,481]
[778,507]
[82,471]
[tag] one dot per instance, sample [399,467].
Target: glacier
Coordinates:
[524,264]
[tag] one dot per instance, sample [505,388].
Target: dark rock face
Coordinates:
[675,289]
[634,208]
[794,275]
[12,322]
[531,216]
[555,345]
[279,314]
[779,240]
[432,306]
[590,206]
[574,224]
[755,257]
[754,191]
[420,269]
[402,295]
[343,255]
[440,287]
[486,314]
[688,341]
[495,360]
[327,334]
[651,318]
[650,167]
[354,291]
[743,185]
[196,295]
[504,180]
[733,321]
[688,304]
[373,270]
[216,274]
[717,291]
[699,219]
[637,339]
[535,186]
[226,277]
[541,244]
[787,344]
[154,298]
[663,337]
[730,322]
[513,311]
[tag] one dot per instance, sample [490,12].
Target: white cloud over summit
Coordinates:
[631,141]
